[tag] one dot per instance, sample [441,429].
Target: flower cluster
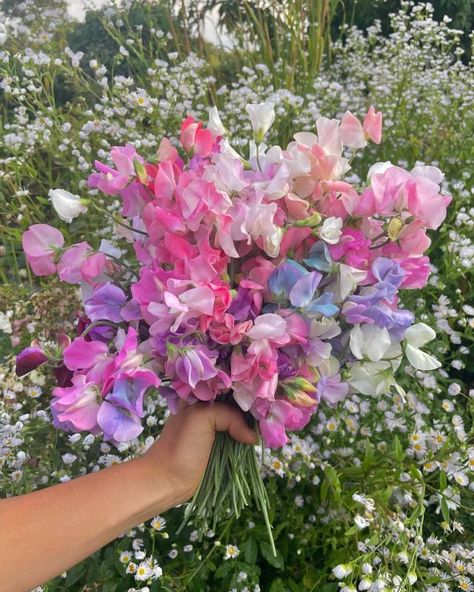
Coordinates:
[271,278]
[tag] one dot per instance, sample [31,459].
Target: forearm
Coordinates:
[46,532]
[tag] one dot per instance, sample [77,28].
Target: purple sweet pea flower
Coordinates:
[117,423]
[129,390]
[377,303]
[106,303]
[302,292]
[285,367]
[172,398]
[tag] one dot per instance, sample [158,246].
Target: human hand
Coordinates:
[180,455]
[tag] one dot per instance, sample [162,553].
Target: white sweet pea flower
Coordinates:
[372,342]
[227,149]
[215,124]
[67,205]
[262,115]
[379,168]
[416,336]
[373,378]
[272,242]
[331,230]
[348,280]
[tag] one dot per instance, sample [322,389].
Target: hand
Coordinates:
[181,452]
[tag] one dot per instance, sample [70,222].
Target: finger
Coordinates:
[225,418]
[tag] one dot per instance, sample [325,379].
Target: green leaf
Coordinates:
[109,586]
[398,449]
[443,481]
[324,490]
[369,456]
[250,551]
[445,509]
[266,550]
[351,532]
[328,587]
[74,574]
[294,587]
[223,570]
[278,586]
[334,481]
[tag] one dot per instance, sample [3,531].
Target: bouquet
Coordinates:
[270,282]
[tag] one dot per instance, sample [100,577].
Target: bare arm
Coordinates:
[47,532]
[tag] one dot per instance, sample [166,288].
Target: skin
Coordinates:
[46,532]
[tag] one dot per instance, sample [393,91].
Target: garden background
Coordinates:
[130,72]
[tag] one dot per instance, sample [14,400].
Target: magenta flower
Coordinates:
[40,243]
[82,354]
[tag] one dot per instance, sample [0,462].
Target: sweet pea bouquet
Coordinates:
[267,281]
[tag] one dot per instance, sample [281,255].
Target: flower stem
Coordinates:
[231,480]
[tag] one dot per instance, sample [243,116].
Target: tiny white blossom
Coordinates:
[231,552]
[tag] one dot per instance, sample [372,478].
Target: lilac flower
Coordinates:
[194,365]
[331,389]
[117,423]
[302,294]
[106,303]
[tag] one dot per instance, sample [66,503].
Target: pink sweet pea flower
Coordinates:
[228,331]
[40,243]
[80,263]
[189,304]
[352,133]
[425,202]
[279,417]
[195,139]
[417,271]
[111,181]
[75,407]
[373,125]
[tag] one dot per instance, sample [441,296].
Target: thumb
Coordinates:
[225,418]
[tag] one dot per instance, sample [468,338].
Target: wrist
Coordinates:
[158,486]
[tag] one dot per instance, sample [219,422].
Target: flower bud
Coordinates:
[67,205]
[394,228]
